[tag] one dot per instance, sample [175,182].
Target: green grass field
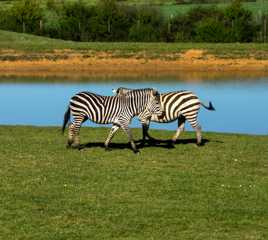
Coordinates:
[218,191]
[35,44]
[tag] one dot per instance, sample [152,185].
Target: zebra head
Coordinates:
[153,107]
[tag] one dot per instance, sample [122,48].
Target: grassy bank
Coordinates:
[34,47]
[218,191]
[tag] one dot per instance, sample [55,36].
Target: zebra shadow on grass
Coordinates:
[153,142]
[168,144]
[112,146]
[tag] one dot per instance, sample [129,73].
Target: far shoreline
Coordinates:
[194,64]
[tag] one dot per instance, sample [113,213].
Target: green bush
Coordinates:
[239,23]
[210,30]
[25,16]
[186,27]
[233,24]
[198,14]
[112,21]
[6,21]
[51,23]
[74,21]
[179,29]
[142,33]
[148,27]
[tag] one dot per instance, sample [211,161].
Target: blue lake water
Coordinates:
[241,106]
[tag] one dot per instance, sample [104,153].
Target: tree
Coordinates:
[240,23]
[148,26]
[27,13]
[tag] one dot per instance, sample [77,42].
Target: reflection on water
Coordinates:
[240,105]
[200,76]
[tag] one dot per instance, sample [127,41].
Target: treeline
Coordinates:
[111,20]
[208,1]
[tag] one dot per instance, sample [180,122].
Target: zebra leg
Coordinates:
[181,124]
[145,131]
[133,145]
[195,125]
[110,136]
[198,135]
[145,134]
[73,135]
[70,135]
[130,138]
[192,119]
[145,128]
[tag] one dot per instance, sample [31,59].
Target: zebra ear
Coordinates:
[114,91]
[155,92]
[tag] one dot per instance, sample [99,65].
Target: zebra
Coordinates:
[118,110]
[178,105]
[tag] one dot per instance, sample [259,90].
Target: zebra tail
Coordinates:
[66,119]
[209,107]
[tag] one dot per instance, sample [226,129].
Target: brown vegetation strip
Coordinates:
[77,65]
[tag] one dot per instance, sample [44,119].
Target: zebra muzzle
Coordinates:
[162,115]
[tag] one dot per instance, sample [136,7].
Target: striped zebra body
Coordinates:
[97,108]
[118,110]
[179,105]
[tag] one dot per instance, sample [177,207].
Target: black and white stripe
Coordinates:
[118,110]
[179,105]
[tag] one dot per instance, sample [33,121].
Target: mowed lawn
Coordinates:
[218,191]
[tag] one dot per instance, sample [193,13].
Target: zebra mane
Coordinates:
[142,92]
[122,91]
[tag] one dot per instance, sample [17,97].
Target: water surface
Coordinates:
[241,106]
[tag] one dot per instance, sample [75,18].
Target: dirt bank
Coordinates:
[104,65]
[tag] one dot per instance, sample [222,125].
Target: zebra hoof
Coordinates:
[70,142]
[200,144]
[171,144]
[75,146]
[108,149]
[152,140]
[136,151]
[68,146]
